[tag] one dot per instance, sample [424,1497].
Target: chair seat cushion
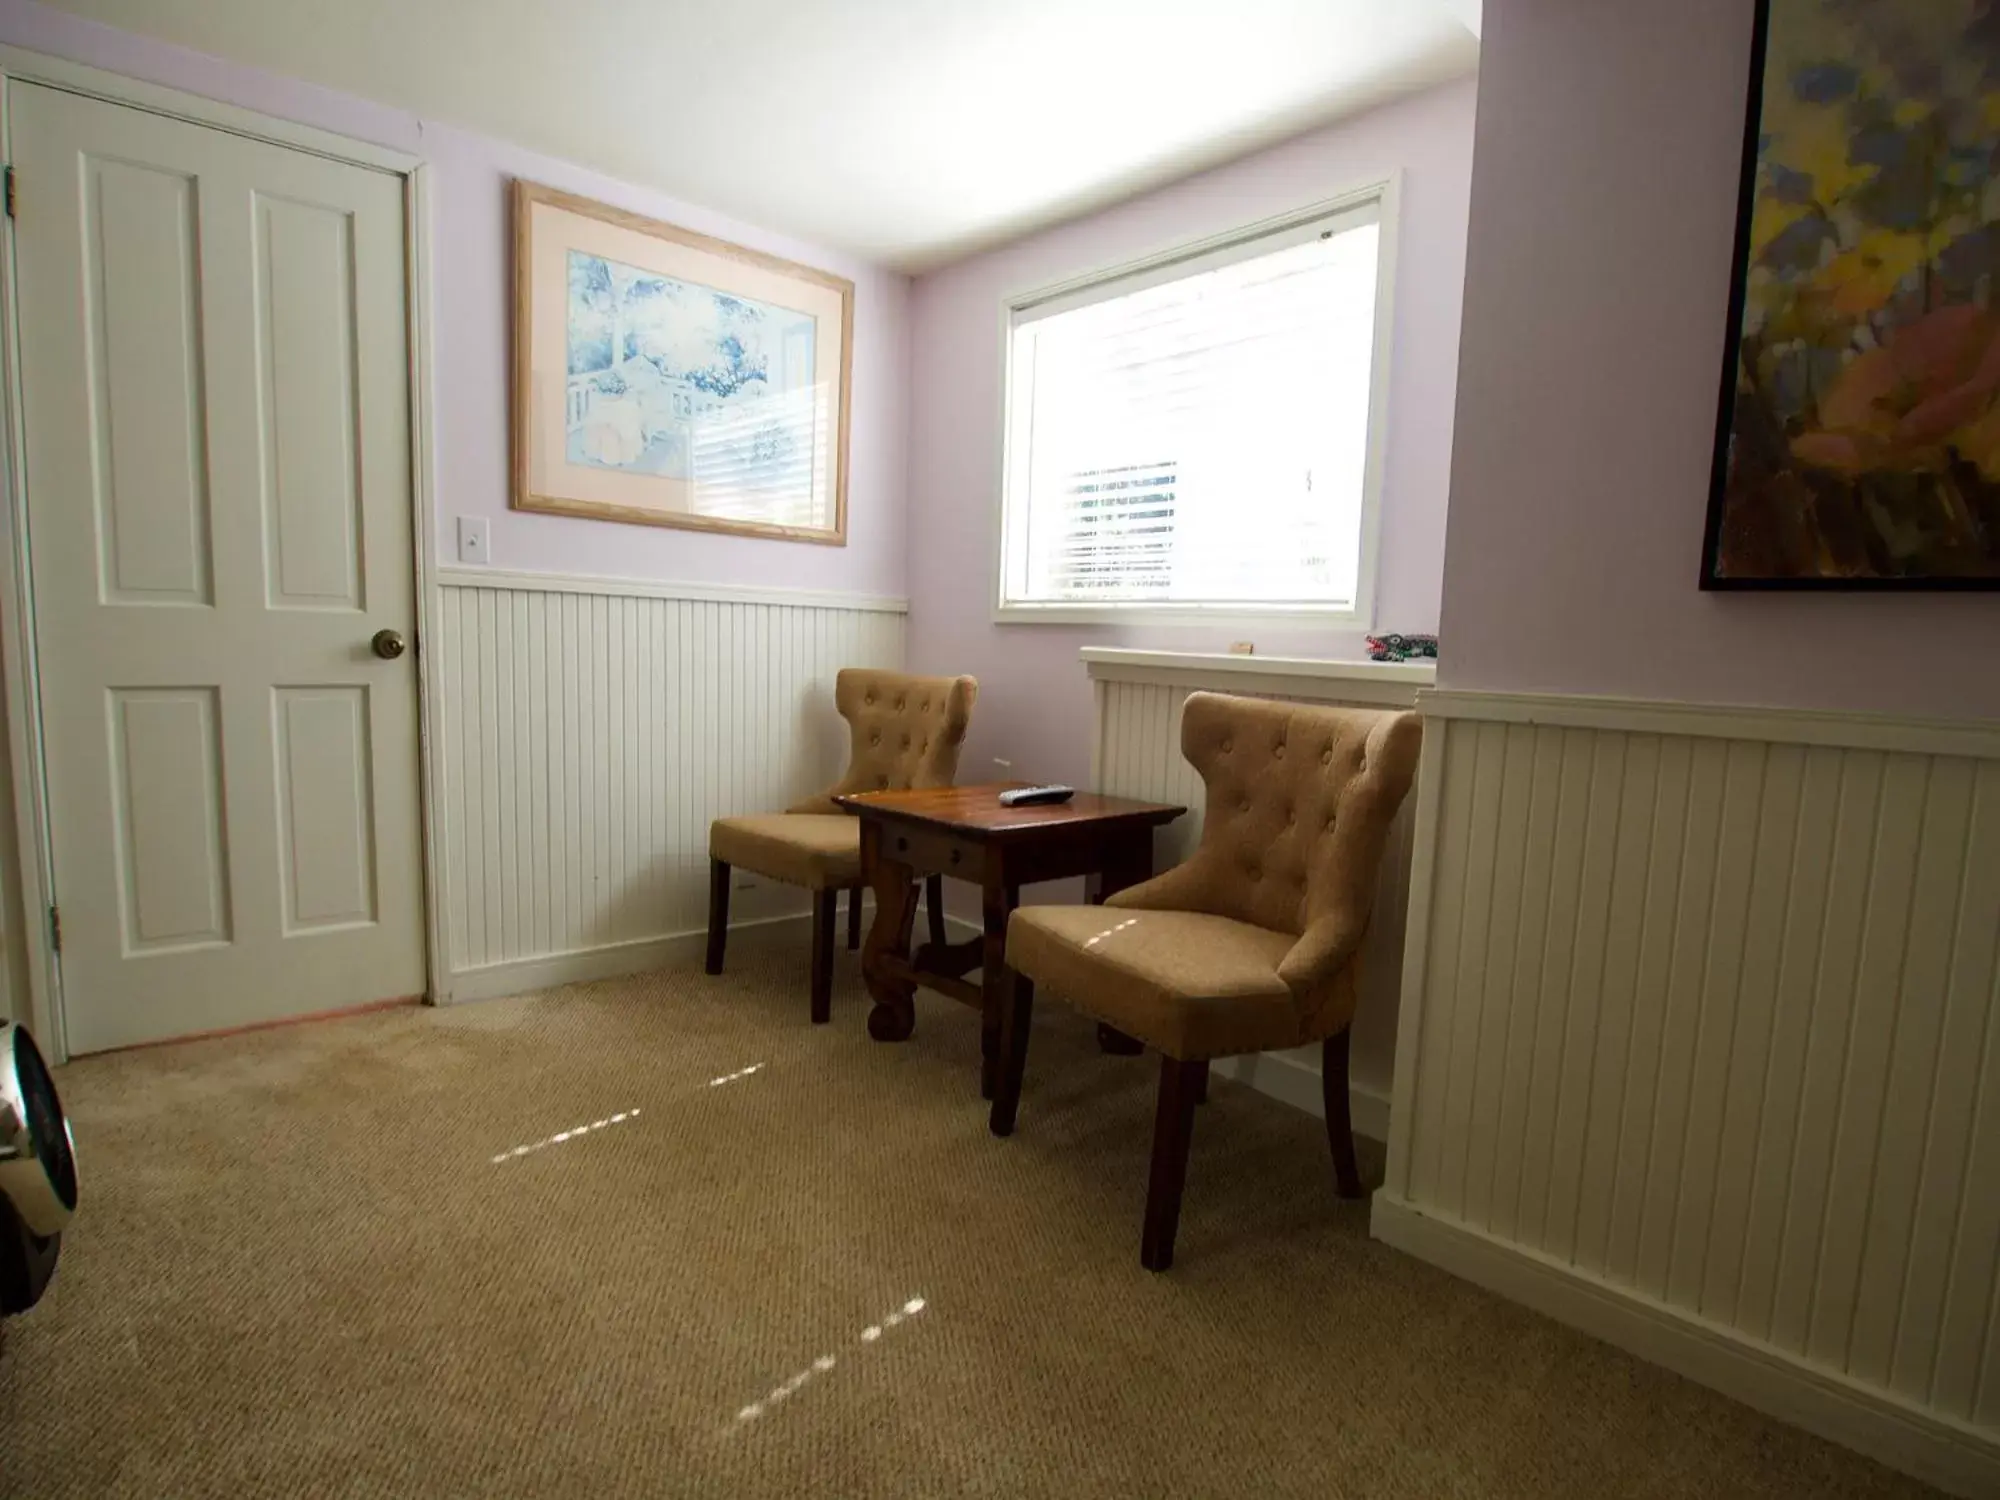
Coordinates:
[819,851]
[1186,983]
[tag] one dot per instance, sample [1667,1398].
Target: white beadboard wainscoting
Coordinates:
[1699,1051]
[593,728]
[1135,751]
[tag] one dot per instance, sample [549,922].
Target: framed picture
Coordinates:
[670,379]
[1858,442]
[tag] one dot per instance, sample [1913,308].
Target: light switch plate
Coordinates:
[475,539]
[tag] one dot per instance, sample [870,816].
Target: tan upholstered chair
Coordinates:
[906,733]
[1250,945]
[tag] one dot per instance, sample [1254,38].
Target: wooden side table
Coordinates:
[965,833]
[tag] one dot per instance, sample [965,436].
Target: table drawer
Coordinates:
[933,851]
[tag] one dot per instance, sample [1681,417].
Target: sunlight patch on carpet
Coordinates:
[575,1132]
[792,1385]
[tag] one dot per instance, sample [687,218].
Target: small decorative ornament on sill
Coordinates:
[1402,647]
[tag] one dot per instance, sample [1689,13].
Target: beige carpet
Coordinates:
[299,1271]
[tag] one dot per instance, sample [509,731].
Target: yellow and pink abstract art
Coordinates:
[1859,434]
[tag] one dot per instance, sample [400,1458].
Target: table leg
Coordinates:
[1127,862]
[998,900]
[894,883]
[934,910]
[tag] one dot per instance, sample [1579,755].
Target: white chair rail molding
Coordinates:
[707,738]
[593,728]
[1698,1050]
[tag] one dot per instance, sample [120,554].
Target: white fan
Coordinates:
[37,1172]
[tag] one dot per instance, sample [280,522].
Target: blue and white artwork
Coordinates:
[676,380]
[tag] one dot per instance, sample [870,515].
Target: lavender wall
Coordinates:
[470,329]
[1034,703]
[1595,298]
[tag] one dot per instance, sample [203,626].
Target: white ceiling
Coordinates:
[904,131]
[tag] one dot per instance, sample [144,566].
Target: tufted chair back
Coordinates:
[1299,801]
[906,731]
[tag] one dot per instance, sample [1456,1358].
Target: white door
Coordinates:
[216,387]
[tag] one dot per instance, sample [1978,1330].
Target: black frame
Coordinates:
[1718,480]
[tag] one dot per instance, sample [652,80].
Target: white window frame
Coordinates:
[1189,258]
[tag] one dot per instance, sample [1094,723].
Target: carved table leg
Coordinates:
[895,1014]
[934,910]
[998,903]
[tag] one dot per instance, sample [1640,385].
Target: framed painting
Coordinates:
[670,379]
[1858,441]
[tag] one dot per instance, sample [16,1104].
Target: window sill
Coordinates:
[1378,684]
[1247,616]
[1285,667]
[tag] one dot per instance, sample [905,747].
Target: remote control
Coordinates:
[1030,796]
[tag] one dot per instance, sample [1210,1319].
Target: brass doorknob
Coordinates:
[387,644]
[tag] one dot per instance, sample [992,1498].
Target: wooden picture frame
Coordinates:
[667,378]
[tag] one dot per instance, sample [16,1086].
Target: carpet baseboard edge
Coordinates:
[1956,1457]
[1281,1077]
[1286,1078]
[1290,1081]
[541,971]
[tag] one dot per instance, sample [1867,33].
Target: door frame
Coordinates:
[18,661]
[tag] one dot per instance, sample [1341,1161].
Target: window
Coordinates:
[1192,436]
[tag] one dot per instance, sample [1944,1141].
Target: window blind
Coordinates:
[1199,438]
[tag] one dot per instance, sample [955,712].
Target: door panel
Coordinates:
[326,813]
[215,382]
[312,495]
[151,486]
[166,792]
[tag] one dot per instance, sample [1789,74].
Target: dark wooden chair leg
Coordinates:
[934,907]
[854,919]
[1339,1121]
[1016,1019]
[822,960]
[718,913]
[1173,1132]
[1201,1089]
